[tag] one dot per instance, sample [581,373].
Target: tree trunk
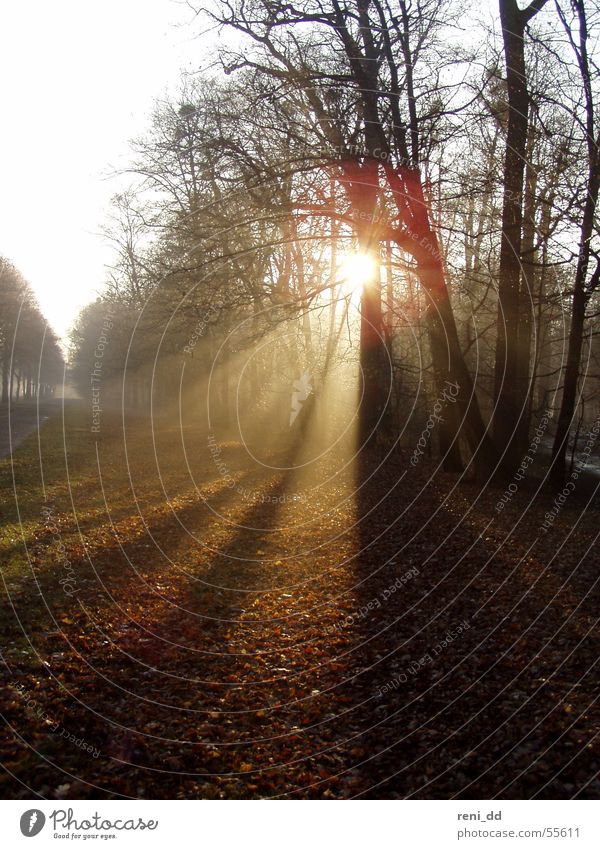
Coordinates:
[526,308]
[5,379]
[450,367]
[507,365]
[372,360]
[361,184]
[576,332]
[580,293]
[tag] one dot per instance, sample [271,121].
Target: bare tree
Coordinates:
[584,285]
[510,390]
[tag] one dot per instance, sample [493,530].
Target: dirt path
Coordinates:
[18,420]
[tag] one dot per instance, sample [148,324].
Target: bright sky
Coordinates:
[78,81]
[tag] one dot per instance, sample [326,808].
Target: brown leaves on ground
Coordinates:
[384,635]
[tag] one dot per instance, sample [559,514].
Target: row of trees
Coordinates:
[463,162]
[31,360]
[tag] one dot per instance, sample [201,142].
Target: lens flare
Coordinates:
[355,270]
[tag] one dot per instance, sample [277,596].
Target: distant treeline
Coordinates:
[31,360]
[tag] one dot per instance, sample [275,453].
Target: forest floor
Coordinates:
[180,621]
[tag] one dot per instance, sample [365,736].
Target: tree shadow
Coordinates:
[454,638]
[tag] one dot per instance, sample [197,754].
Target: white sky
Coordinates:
[78,81]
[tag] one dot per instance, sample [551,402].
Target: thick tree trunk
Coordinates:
[361,185]
[448,360]
[576,332]
[580,292]
[507,366]
[372,361]
[449,365]
[422,244]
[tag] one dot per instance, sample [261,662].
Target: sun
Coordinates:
[355,270]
